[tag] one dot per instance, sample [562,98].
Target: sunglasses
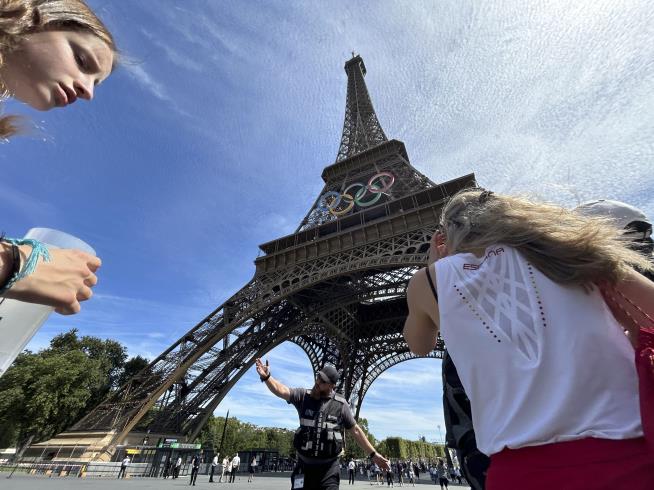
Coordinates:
[637,228]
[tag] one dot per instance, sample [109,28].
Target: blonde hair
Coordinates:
[19,18]
[567,247]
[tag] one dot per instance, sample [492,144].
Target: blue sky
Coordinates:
[211,137]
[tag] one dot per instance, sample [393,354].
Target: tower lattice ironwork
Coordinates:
[335,287]
[361,128]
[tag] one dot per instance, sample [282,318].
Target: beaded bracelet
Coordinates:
[39,250]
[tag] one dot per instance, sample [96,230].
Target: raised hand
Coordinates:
[262,370]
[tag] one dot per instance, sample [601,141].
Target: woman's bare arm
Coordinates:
[640,291]
[421,325]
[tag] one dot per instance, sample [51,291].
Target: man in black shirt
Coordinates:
[319,439]
[195,467]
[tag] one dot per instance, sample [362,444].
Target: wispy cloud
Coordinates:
[181,60]
[146,327]
[138,72]
[416,372]
[29,207]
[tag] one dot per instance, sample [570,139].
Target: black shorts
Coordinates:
[318,476]
[443,481]
[251,469]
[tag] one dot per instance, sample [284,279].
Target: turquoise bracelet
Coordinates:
[39,250]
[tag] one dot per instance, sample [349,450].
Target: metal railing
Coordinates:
[52,469]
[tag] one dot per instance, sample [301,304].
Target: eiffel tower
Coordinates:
[335,287]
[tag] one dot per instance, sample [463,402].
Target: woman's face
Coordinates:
[55,68]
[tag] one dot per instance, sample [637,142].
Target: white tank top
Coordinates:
[540,362]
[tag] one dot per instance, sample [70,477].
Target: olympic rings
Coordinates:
[377,185]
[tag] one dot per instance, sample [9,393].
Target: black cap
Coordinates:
[329,374]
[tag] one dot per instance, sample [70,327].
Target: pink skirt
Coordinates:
[584,464]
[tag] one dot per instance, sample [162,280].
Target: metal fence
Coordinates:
[74,469]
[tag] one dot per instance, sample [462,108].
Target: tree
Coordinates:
[352,450]
[397,447]
[41,395]
[131,368]
[280,439]
[44,393]
[243,436]
[109,353]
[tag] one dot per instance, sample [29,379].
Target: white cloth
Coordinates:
[540,362]
[215,461]
[350,465]
[235,461]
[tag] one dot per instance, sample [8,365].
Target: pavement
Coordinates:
[281,482]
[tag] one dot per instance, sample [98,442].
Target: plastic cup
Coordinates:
[19,321]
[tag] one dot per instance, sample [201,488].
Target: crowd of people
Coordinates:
[401,472]
[225,470]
